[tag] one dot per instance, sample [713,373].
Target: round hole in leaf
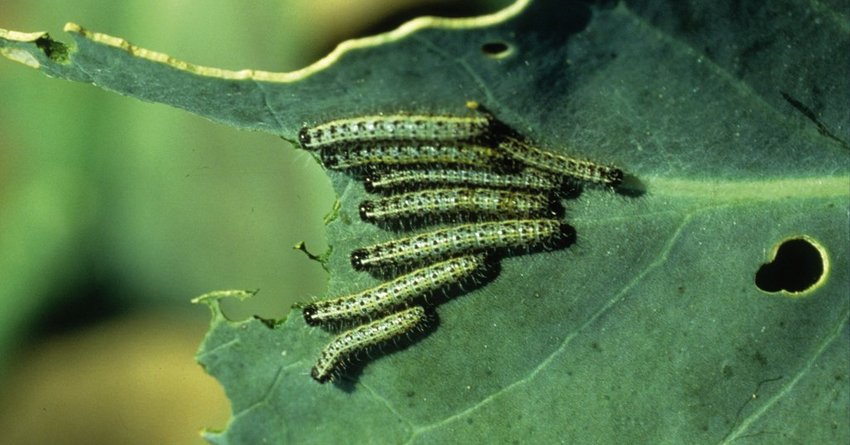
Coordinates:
[496,49]
[798,265]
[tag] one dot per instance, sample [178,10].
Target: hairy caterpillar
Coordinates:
[334,356]
[391,153]
[562,165]
[398,292]
[408,180]
[476,202]
[398,127]
[462,240]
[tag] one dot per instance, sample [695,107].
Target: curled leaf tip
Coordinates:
[213,297]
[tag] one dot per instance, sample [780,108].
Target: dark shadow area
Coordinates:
[495,49]
[631,187]
[396,17]
[267,322]
[90,299]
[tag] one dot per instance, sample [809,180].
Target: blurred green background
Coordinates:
[114,213]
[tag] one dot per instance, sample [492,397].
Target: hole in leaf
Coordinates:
[798,264]
[54,50]
[496,49]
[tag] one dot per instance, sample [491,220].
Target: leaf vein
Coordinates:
[757,414]
[569,338]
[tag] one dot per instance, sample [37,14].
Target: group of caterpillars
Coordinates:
[498,193]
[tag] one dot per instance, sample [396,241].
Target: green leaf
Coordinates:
[651,328]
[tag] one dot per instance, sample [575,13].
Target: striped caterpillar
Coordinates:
[398,292]
[471,203]
[462,240]
[398,127]
[408,180]
[347,344]
[561,165]
[512,144]
[393,153]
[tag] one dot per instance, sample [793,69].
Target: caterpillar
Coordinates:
[461,240]
[398,292]
[408,180]
[475,202]
[391,153]
[397,127]
[558,164]
[335,355]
